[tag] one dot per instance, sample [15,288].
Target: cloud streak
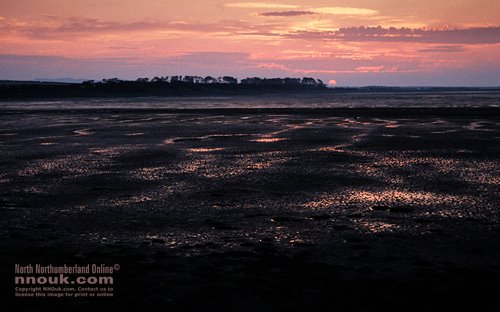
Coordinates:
[59,27]
[69,29]
[260,5]
[489,35]
[345,11]
[443,49]
[286,13]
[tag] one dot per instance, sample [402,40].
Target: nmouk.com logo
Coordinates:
[91,280]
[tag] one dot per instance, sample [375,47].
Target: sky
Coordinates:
[344,42]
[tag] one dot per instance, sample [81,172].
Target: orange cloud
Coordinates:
[286,13]
[260,5]
[370,69]
[345,11]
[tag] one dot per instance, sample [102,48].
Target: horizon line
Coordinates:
[68,80]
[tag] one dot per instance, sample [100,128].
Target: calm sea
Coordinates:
[442,99]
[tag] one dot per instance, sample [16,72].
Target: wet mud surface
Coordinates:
[245,210]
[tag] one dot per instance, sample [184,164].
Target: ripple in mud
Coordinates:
[83,132]
[135,134]
[396,201]
[269,140]
[205,149]
[377,226]
[222,136]
[74,164]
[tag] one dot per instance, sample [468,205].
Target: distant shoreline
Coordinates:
[491,113]
[39,90]
[158,86]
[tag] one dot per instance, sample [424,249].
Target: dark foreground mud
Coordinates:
[255,210]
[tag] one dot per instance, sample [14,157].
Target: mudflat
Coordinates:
[257,209]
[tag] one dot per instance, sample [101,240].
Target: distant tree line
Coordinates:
[212,80]
[160,86]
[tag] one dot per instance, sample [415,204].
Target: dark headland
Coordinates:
[193,86]
[158,86]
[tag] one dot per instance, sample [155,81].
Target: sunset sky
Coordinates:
[350,42]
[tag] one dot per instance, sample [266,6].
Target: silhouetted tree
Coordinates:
[198,79]
[111,80]
[229,79]
[292,81]
[254,80]
[308,81]
[209,79]
[188,79]
[175,78]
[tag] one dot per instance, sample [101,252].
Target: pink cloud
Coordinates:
[52,27]
[443,49]
[286,13]
[489,35]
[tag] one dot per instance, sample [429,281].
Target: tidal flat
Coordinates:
[257,209]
